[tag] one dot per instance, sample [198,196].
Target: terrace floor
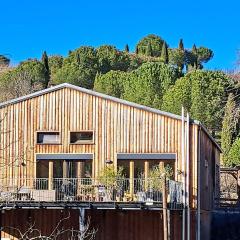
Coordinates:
[89,193]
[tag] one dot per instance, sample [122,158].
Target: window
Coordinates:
[83,137]
[64,169]
[48,138]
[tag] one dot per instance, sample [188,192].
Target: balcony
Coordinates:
[89,192]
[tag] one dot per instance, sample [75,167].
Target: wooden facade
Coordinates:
[118,127]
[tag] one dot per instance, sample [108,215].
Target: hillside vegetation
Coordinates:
[154,75]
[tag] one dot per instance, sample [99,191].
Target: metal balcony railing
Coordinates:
[88,190]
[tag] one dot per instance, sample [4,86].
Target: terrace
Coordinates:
[89,192]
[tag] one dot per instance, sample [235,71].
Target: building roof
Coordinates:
[101,95]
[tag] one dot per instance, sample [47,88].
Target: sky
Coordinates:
[29,27]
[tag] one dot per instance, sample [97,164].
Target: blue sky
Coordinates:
[29,27]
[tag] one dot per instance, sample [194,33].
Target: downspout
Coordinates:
[81,223]
[188,180]
[199,186]
[183,173]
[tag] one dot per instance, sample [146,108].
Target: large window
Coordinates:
[141,168]
[81,137]
[64,169]
[48,137]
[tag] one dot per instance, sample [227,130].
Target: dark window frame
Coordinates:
[81,142]
[48,132]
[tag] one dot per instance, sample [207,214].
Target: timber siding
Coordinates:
[118,127]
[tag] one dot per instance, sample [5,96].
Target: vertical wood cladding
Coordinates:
[110,224]
[117,127]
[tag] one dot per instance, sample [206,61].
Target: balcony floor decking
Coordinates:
[89,205]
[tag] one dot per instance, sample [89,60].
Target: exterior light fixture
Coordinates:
[109,161]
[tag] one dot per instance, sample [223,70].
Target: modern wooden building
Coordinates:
[67,132]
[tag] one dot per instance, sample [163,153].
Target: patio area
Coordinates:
[89,190]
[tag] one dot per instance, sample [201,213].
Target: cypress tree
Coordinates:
[194,49]
[164,53]
[126,48]
[78,58]
[180,45]
[46,66]
[194,56]
[229,127]
[149,51]
[136,51]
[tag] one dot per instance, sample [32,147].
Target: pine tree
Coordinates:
[229,126]
[126,48]
[180,45]
[149,51]
[164,53]
[46,66]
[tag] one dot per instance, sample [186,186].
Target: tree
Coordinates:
[4,61]
[136,50]
[79,68]
[198,56]
[164,53]
[46,66]
[34,69]
[208,97]
[234,154]
[229,127]
[177,58]
[180,45]
[204,54]
[156,44]
[55,62]
[147,84]
[149,51]
[194,57]
[27,77]
[203,93]
[177,96]
[109,58]
[127,48]
[111,83]
[31,232]
[16,83]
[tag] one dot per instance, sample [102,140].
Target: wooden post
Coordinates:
[165,215]
[65,169]
[50,175]
[131,176]
[80,169]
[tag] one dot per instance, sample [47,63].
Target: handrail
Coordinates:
[88,190]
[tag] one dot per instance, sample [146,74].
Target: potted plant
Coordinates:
[156,180]
[112,182]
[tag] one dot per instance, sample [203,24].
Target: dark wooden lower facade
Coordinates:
[110,224]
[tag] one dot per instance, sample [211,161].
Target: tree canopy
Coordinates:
[229,127]
[152,42]
[203,93]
